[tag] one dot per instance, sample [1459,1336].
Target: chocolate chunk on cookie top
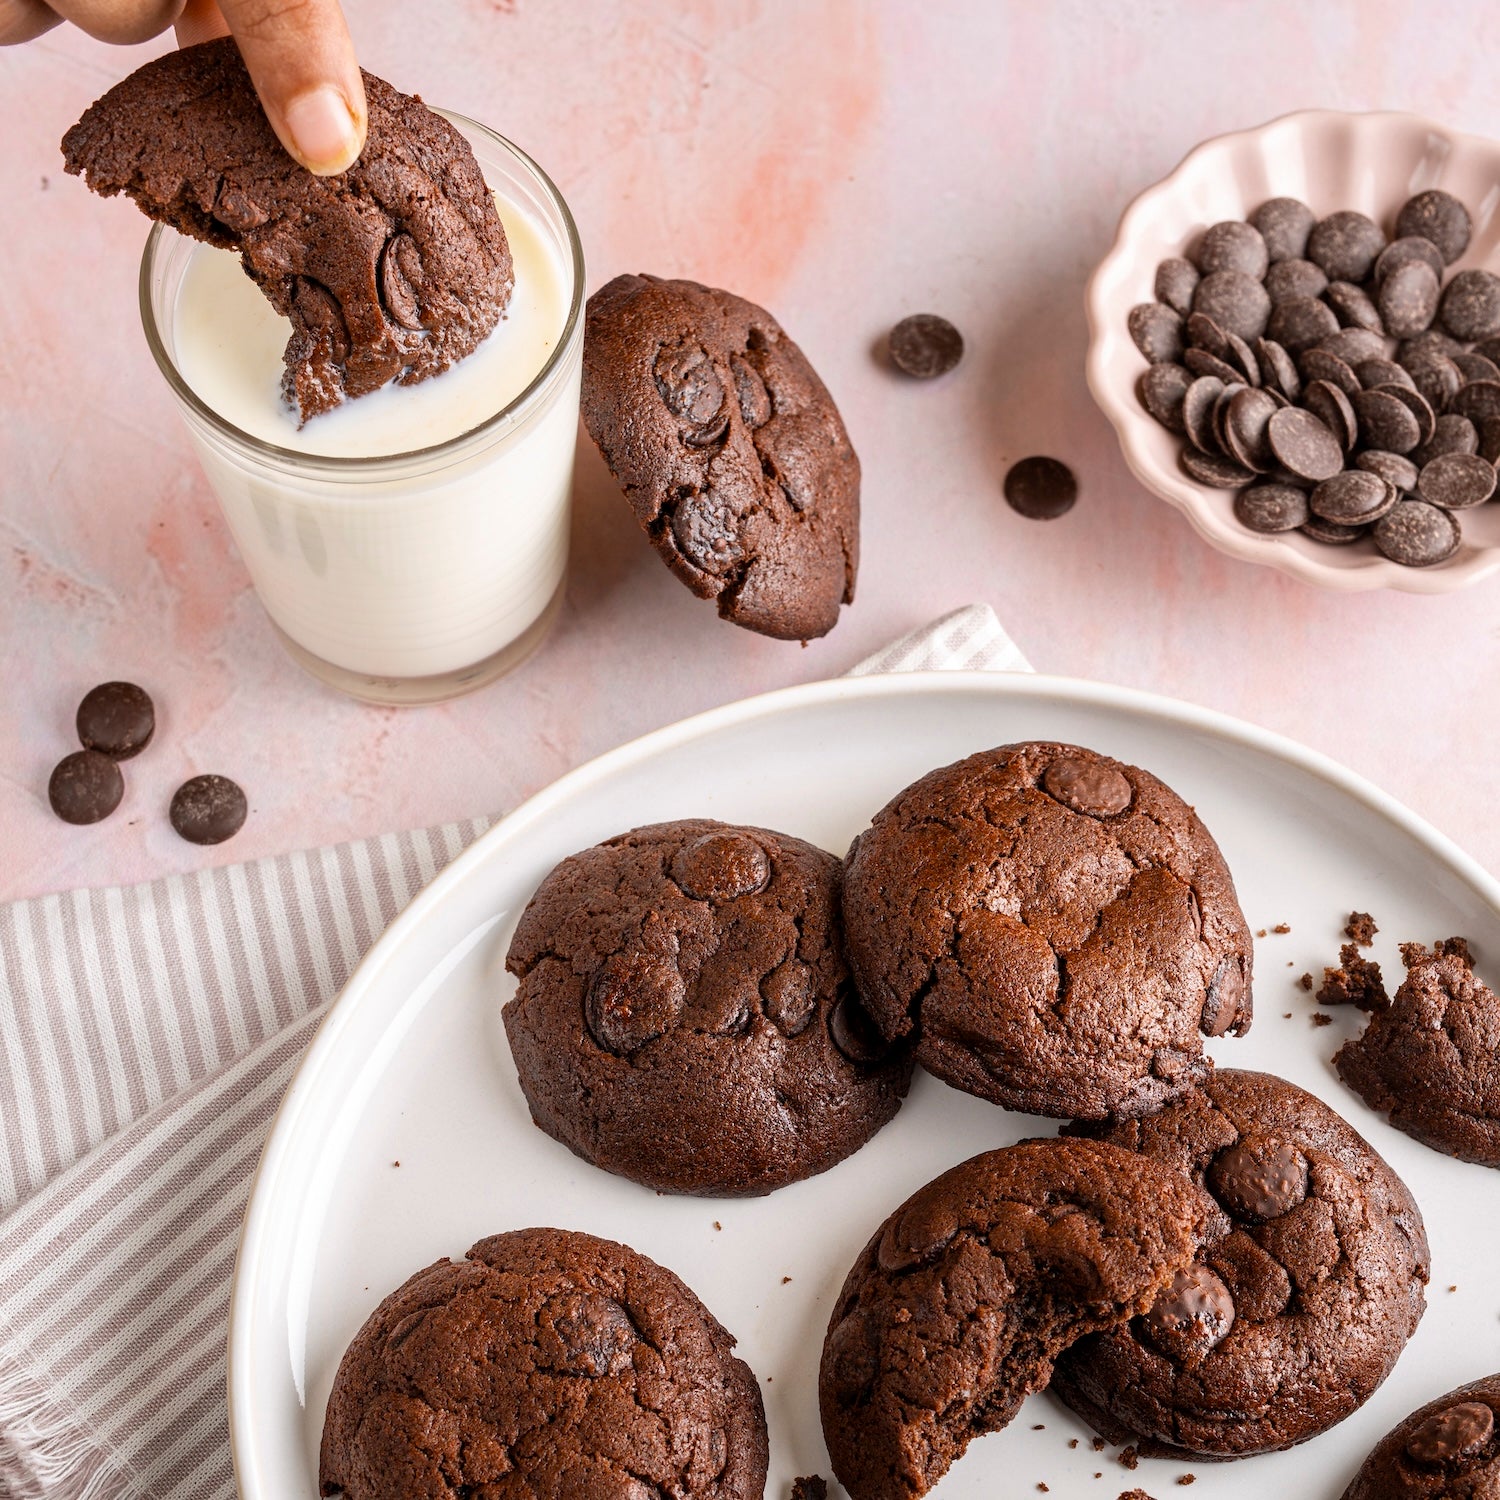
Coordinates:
[685,1017]
[392,270]
[1296,1310]
[729,449]
[546,1362]
[1448,1450]
[1055,930]
[957,1308]
[1430,1059]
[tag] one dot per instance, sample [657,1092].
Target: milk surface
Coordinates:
[229,341]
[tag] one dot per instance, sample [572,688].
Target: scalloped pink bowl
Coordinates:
[1369,162]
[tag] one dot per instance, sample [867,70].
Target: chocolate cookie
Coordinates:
[1430,1059]
[1298,1308]
[1449,1450]
[1056,930]
[545,1363]
[957,1308]
[389,271]
[685,1016]
[729,449]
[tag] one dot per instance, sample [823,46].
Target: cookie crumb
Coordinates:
[809,1487]
[1360,929]
[785,1280]
[1282,928]
[1187,1478]
[1134,1495]
[1319,1018]
[1072,1442]
[395,1163]
[717,1225]
[1260,932]
[1128,1458]
[1413,954]
[1038,1426]
[1042,1487]
[1452,1288]
[1098,1443]
[1286,1015]
[1356,981]
[1306,981]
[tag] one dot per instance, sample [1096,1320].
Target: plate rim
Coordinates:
[1132,701]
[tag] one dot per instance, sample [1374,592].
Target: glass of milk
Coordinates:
[409,545]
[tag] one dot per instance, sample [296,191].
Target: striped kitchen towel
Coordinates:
[146,1038]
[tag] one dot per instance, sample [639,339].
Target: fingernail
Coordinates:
[323,131]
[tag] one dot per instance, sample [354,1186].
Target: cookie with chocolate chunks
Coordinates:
[1430,1059]
[1309,1288]
[685,1016]
[729,449]
[1446,1450]
[546,1362]
[1054,929]
[390,271]
[959,1305]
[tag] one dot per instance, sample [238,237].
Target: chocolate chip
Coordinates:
[1233,245]
[707,532]
[1397,471]
[925,345]
[1474,367]
[691,390]
[1328,403]
[756,406]
[1204,333]
[1354,498]
[1271,507]
[1354,345]
[1295,278]
[1157,331]
[117,719]
[1217,473]
[919,1234]
[1248,415]
[401,275]
[1409,299]
[1176,280]
[1097,791]
[85,787]
[1202,362]
[634,998]
[1479,401]
[1319,364]
[789,996]
[1260,1177]
[1353,307]
[1236,302]
[1161,389]
[1191,1317]
[1278,370]
[1333,533]
[1304,446]
[1300,322]
[1438,217]
[1417,404]
[1042,489]
[1451,433]
[1385,421]
[853,1032]
[1437,378]
[1470,309]
[1417,535]
[1405,251]
[1284,224]
[721,867]
[1345,245]
[1221,417]
[1456,481]
[1459,1432]
[1243,359]
[586,1334]
[1198,412]
[208,809]
[1224,999]
[1374,372]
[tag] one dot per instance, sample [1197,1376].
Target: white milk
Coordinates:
[409,578]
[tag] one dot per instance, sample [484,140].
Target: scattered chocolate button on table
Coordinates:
[208,809]
[85,787]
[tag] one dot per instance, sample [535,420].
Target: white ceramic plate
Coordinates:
[412,1066]
[1369,162]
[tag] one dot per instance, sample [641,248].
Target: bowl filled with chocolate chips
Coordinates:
[1297,338]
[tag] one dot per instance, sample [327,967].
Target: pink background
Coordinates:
[843,162]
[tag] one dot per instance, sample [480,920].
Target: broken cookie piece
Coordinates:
[959,1305]
[1430,1060]
[391,271]
[1357,981]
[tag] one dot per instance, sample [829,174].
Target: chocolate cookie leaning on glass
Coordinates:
[1053,930]
[729,449]
[685,1017]
[1299,1306]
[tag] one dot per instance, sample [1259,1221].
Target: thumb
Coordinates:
[302,62]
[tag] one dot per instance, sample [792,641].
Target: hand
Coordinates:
[298,52]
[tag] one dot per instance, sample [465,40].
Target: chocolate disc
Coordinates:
[925,345]
[1042,488]
[208,809]
[117,719]
[85,787]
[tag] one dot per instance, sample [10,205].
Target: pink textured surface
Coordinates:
[843,162]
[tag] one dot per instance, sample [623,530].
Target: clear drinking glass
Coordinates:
[417,576]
